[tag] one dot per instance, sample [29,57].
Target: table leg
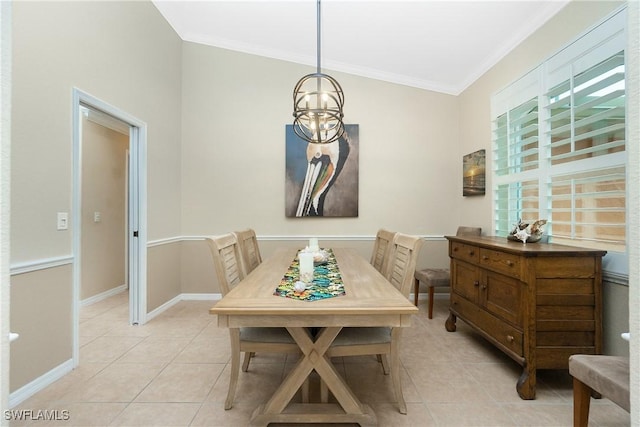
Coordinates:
[395,369]
[331,377]
[314,358]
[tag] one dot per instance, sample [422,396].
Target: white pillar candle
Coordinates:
[306,266]
[313,244]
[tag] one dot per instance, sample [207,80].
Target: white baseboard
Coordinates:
[201,297]
[167,305]
[28,390]
[104,295]
[425,296]
[182,297]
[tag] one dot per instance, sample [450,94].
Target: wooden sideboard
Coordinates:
[539,303]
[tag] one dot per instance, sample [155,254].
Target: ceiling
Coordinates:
[439,45]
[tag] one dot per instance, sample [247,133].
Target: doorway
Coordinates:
[132,218]
[104,208]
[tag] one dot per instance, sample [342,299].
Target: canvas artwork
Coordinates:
[322,179]
[473,174]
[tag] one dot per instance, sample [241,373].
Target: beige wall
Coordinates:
[199,277]
[41,312]
[235,108]
[104,179]
[163,274]
[475,130]
[125,54]
[615,318]
[5,190]
[475,106]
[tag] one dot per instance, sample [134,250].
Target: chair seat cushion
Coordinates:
[608,375]
[271,335]
[364,335]
[433,276]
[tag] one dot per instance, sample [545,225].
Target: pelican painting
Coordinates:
[322,179]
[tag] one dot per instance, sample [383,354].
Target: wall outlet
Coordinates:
[63,220]
[97,217]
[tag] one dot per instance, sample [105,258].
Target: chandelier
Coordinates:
[317,104]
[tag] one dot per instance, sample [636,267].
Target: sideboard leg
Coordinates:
[526,385]
[450,324]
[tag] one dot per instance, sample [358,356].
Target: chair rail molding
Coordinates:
[40,264]
[276,238]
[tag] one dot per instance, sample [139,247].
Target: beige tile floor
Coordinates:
[174,371]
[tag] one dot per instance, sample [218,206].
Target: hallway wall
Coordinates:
[127,55]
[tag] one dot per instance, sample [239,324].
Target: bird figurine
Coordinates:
[526,232]
[522,235]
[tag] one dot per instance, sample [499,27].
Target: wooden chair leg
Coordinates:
[416,289]
[382,358]
[234,335]
[431,293]
[247,358]
[581,402]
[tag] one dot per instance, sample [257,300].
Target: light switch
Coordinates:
[97,217]
[63,220]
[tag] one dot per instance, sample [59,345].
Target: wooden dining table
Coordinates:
[369,300]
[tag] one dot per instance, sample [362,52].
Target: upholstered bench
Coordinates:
[606,375]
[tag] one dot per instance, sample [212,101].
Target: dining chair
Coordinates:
[250,254]
[381,249]
[249,249]
[383,341]
[230,272]
[438,277]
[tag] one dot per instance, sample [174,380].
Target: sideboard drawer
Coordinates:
[465,252]
[505,334]
[502,262]
[508,336]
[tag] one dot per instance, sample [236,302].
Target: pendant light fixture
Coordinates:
[317,104]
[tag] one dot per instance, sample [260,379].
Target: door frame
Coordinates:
[137,211]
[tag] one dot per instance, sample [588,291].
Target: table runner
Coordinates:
[327,281]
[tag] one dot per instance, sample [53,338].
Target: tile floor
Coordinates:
[174,371]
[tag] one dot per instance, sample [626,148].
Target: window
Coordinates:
[589,207]
[559,144]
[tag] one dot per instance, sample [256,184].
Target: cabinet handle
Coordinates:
[510,263]
[476,283]
[484,287]
[471,253]
[485,257]
[455,249]
[510,338]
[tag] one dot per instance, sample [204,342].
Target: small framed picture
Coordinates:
[473,174]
